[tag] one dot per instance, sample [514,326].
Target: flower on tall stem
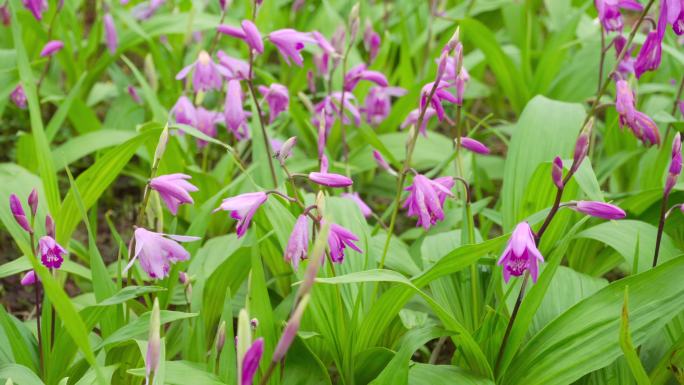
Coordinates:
[174,190]
[277,97]
[598,209]
[110,33]
[233,111]
[36,7]
[18,212]
[250,362]
[206,75]
[289,43]
[441,93]
[521,254]
[51,47]
[146,9]
[609,12]
[475,146]
[206,123]
[242,208]
[650,54]
[236,68]
[426,199]
[626,65]
[557,172]
[330,107]
[184,112]
[360,72]
[413,116]
[371,41]
[29,278]
[675,164]
[338,240]
[298,244]
[643,127]
[51,253]
[157,251]
[382,163]
[328,179]
[378,103]
[354,197]
[248,32]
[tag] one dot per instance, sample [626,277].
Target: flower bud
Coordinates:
[598,209]
[557,172]
[291,329]
[49,226]
[441,66]
[161,145]
[19,214]
[183,278]
[221,337]
[582,146]
[320,202]
[33,201]
[354,22]
[254,323]
[455,39]
[29,278]
[153,341]
[286,149]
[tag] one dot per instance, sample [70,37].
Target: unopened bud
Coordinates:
[557,172]
[291,329]
[455,39]
[183,278]
[29,278]
[582,145]
[441,66]
[33,201]
[153,341]
[18,212]
[221,336]
[49,226]
[320,202]
[254,323]
[286,149]
[161,145]
[354,22]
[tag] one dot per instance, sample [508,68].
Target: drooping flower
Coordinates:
[250,362]
[19,97]
[157,251]
[110,33]
[242,208]
[51,47]
[441,93]
[675,164]
[325,178]
[378,103]
[360,72]
[331,110]
[248,32]
[174,190]
[475,146]
[236,68]
[609,12]
[382,163]
[354,197]
[51,253]
[322,60]
[412,118]
[29,278]
[426,199]
[233,111]
[289,43]
[672,13]
[371,41]
[557,172]
[184,112]
[650,54]
[206,123]
[598,209]
[521,254]
[206,75]
[146,9]
[643,127]
[626,65]
[298,244]
[18,213]
[340,238]
[36,7]
[277,97]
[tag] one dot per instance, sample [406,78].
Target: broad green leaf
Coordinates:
[128,293]
[19,374]
[425,374]
[141,325]
[627,346]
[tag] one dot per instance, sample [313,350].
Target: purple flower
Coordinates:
[330,107]
[473,145]
[242,208]
[206,123]
[358,73]
[52,47]
[626,66]
[248,33]
[643,127]
[236,68]
[298,245]
[49,226]
[649,55]
[110,33]
[609,12]
[413,116]
[598,209]
[675,164]
[37,7]
[557,172]
[134,94]
[174,190]
[378,103]
[380,160]
[441,93]
[671,12]
[325,178]
[371,41]
[184,111]
[250,363]
[521,254]
[33,201]
[338,239]
[19,97]
[277,97]
[291,329]
[5,16]
[146,9]
[18,212]
[426,199]
[289,43]
[206,74]
[29,278]
[51,253]
[233,112]
[158,251]
[322,61]
[354,197]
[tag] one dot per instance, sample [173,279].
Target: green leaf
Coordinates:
[141,325]
[627,346]
[128,293]
[19,374]
[425,374]
[183,373]
[82,145]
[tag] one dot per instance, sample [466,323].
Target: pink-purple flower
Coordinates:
[250,363]
[19,97]
[236,68]
[51,47]
[649,56]
[643,127]
[426,199]
[675,163]
[475,146]
[626,65]
[360,72]
[598,209]
[184,112]
[340,238]
[521,254]
[331,110]
[157,251]
[371,41]
[206,123]
[37,7]
[354,197]
[325,178]
[378,103]
[206,75]
[298,244]
[557,172]
[609,12]
[29,278]
[277,97]
[441,93]
[51,253]
[18,213]
[233,111]
[382,163]
[174,190]
[412,119]
[289,43]
[248,32]
[111,36]
[242,208]
[146,9]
